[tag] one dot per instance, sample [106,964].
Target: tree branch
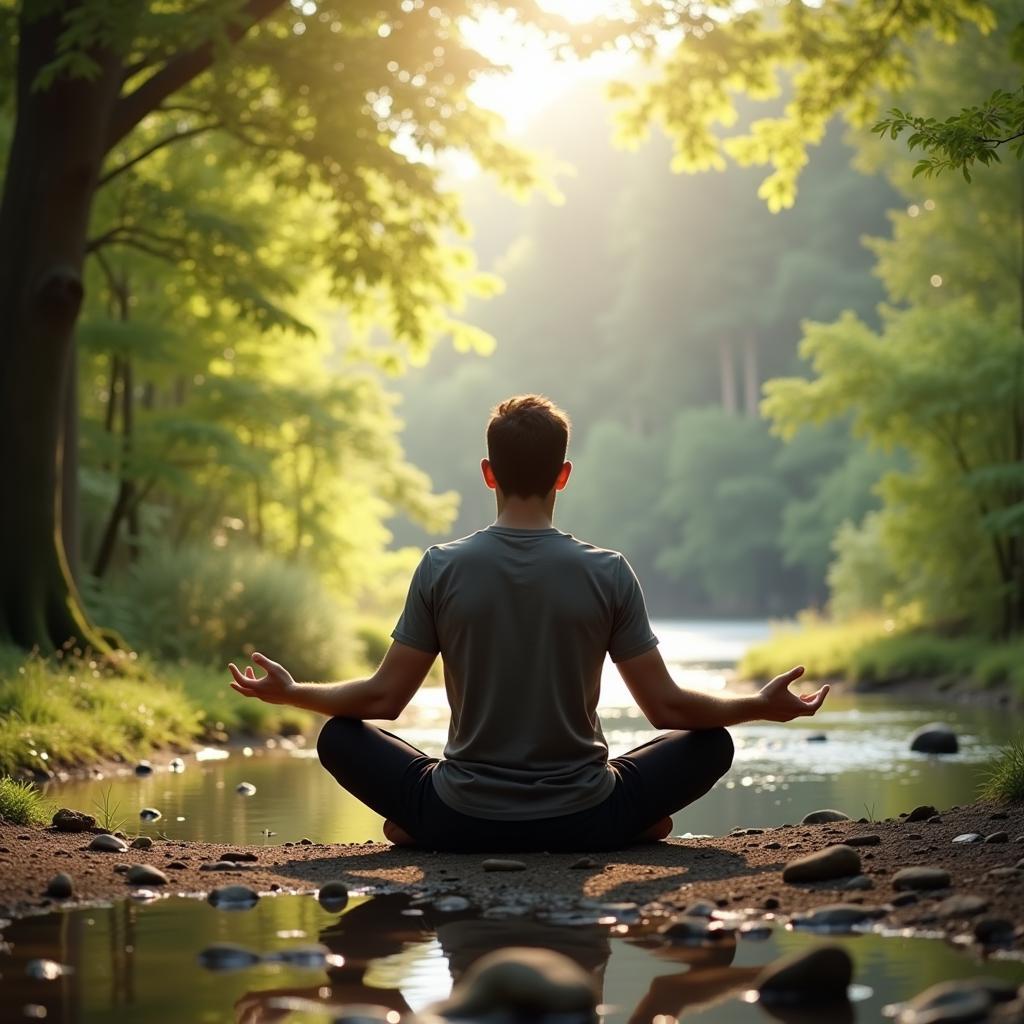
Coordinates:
[179,71]
[159,144]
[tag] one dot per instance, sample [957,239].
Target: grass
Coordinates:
[106,812]
[22,804]
[1005,779]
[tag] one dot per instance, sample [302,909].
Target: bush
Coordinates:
[905,656]
[1002,664]
[1005,779]
[210,606]
[22,804]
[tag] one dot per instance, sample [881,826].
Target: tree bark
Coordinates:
[53,165]
[69,495]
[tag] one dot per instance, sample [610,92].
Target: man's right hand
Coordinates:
[778,703]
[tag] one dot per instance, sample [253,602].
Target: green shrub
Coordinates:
[210,606]
[22,804]
[1001,664]
[1005,778]
[914,655]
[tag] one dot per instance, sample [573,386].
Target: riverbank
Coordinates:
[739,872]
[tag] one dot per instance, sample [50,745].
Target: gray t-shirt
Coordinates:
[523,619]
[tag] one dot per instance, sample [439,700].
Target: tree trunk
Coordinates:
[51,176]
[69,497]
[751,377]
[727,370]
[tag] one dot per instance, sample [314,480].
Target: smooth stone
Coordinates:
[121,869]
[701,908]
[965,905]
[823,817]
[994,931]
[921,878]
[871,839]
[333,896]
[177,766]
[949,1002]
[503,864]
[997,837]
[820,975]
[934,738]
[145,874]
[922,813]
[176,865]
[836,917]
[223,865]
[859,882]
[823,865]
[107,843]
[696,931]
[238,856]
[143,768]
[245,789]
[816,737]
[771,903]
[225,956]
[150,814]
[582,863]
[1005,872]
[67,820]
[233,897]
[967,837]
[451,904]
[141,843]
[522,982]
[60,887]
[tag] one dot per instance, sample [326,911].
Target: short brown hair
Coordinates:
[526,441]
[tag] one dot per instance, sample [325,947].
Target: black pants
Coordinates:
[651,782]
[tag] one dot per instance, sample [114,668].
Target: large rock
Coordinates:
[67,820]
[823,817]
[145,874]
[106,843]
[823,865]
[921,878]
[819,976]
[525,983]
[934,738]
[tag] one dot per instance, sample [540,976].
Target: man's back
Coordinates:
[523,620]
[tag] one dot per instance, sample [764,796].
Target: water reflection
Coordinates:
[139,963]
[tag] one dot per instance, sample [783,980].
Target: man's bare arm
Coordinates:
[669,706]
[383,695]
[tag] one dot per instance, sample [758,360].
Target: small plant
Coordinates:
[21,803]
[869,813]
[108,812]
[1004,779]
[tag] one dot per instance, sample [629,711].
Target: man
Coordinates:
[523,616]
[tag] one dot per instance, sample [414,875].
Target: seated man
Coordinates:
[523,616]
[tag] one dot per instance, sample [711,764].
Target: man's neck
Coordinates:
[519,514]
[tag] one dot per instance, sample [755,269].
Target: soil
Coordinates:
[736,871]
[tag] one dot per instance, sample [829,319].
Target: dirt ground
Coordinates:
[737,871]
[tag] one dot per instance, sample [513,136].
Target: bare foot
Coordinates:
[397,835]
[656,832]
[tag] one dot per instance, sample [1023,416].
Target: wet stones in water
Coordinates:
[225,956]
[994,931]
[866,840]
[934,738]
[67,820]
[150,814]
[921,878]
[451,904]
[823,817]
[233,897]
[700,909]
[836,917]
[60,887]
[523,983]
[333,896]
[503,864]
[177,766]
[922,813]
[141,843]
[967,838]
[106,843]
[312,957]
[821,975]
[245,789]
[823,865]
[998,837]
[966,905]
[697,931]
[815,737]
[143,768]
[145,874]
[45,970]
[953,1002]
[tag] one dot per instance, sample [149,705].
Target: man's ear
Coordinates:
[563,476]
[489,478]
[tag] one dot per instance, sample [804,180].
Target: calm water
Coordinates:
[864,768]
[136,962]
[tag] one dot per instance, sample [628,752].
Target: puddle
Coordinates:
[140,962]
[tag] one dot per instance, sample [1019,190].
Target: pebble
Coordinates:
[1005,872]
[223,865]
[967,837]
[333,896]
[67,820]
[823,816]
[934,738]
[145,874]
[823,865]
[177,766]
[60,887]
[582,863]
[965,905]
[998,816]
[176,865]
[993,931]
[921,878]
[904,899]
[106,843]
[141,843]
[503,864]
[121,869]
[233,897]
[451,904]
[143,768]
[45,970]
[998,837]
[816,737]
[245,789]
[859,882]
[225,956]
[922,813]
[701,908]
[771,903]
[150,814]
[820,975]
[866,840]
[696,931]
[836,917]
[771,846]
[527,983]
[239,855]
[949,1002]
